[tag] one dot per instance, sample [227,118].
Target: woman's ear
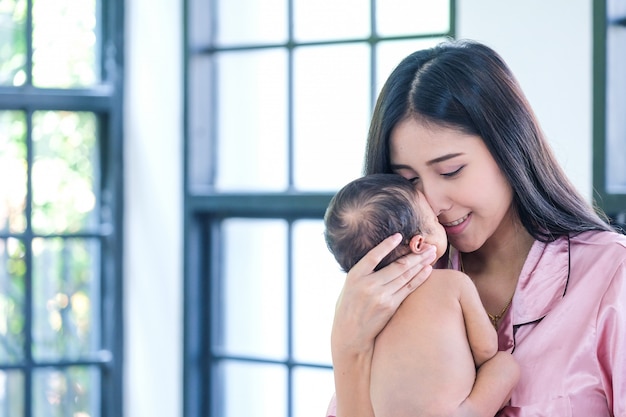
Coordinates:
[416,244]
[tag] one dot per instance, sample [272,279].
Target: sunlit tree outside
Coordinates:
[64,43]
[12,42]
[51,224]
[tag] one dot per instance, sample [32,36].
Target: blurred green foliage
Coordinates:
[49,190]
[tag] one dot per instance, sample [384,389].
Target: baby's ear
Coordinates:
[416,244]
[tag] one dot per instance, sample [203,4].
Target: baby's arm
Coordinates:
[498,372]
[481,335]
[495,381]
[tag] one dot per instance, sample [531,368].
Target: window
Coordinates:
[609,108]
[278,101]
[60,208]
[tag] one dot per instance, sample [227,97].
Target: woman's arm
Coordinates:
[365,305]
[612,341]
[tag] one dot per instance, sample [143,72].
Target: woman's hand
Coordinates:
[369,299]
[365,305]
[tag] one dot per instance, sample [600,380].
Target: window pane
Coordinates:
[12,42]
[616,101]
[12,165]
[12,300]
[64,43]
[252,120]
[331,19]
[68,392]
[65,293]
[313,389]
[263,21]
[11,393]
[200,26]
[201,123]
[412,17]
[390,53]
[317,284]
[252,390]
[254,288]
[332,110]
[64,171]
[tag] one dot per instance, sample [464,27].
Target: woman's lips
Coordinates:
[457,226]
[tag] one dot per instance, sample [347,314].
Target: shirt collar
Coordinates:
[543,281]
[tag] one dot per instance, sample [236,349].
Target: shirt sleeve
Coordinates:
[612,342]
[332,407]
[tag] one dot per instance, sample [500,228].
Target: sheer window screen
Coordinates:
[60,208]
[278,100]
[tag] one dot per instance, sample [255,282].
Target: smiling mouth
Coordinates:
[456,222]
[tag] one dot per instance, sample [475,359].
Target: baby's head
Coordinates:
[370,209]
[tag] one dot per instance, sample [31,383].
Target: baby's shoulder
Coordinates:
[449,279]
[450,275]
[440,292]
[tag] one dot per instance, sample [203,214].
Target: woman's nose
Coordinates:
[436,197]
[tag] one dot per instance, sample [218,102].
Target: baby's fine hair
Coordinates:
[365,212]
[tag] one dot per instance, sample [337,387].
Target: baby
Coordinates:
[438,355]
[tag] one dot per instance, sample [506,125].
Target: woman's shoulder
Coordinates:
[599,252]
[601,241]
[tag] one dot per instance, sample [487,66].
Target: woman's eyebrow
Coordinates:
[399,166]
[443,158]
[431,162]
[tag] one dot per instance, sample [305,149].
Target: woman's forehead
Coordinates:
[413,141]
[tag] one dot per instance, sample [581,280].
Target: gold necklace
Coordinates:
[494,318]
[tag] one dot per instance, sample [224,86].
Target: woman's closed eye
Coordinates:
[453,173]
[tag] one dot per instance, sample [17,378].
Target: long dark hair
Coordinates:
[467,86]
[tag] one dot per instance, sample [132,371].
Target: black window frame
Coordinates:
[613,204]
[105,100]
[204,210]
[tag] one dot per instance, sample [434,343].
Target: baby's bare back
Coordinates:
[422,363]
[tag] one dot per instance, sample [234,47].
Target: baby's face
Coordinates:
[433,232]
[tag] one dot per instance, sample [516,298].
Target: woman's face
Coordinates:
[460,179]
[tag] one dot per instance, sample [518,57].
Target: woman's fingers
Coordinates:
[369,299]
[404,274]
[410,271]
[367,264]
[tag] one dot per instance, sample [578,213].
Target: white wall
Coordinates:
[546,43]
[153,215]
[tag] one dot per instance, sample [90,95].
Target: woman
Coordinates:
[550,271]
